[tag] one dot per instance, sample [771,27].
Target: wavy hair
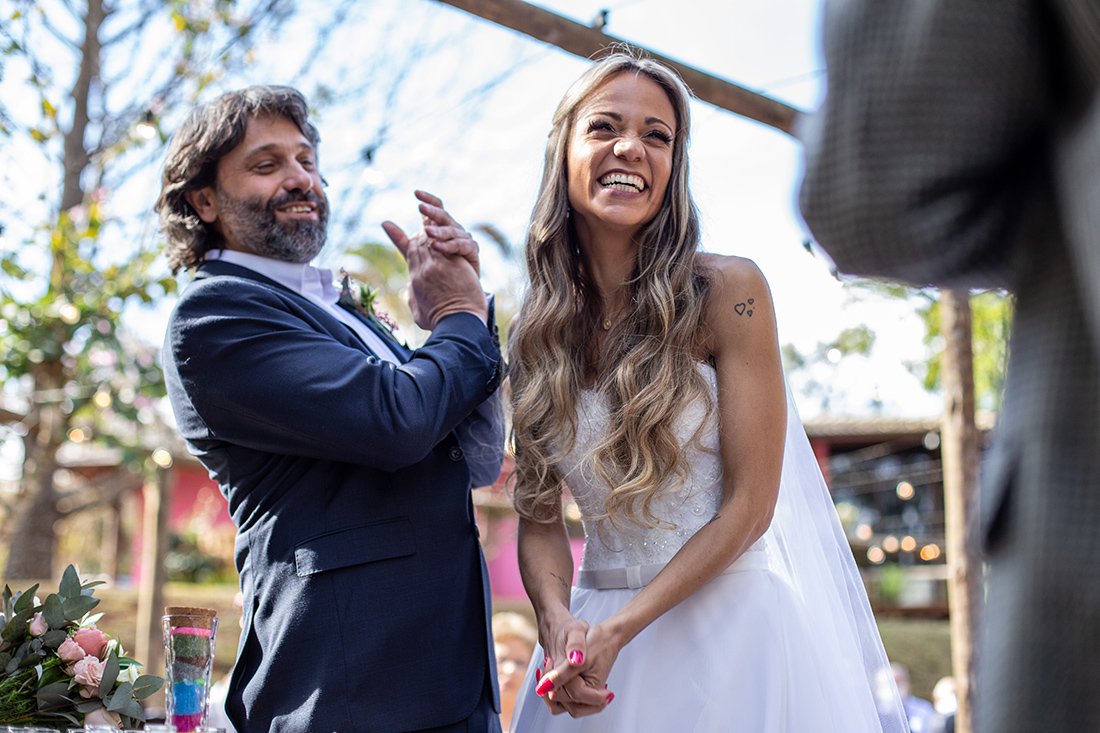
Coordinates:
[647,371]
[210,131]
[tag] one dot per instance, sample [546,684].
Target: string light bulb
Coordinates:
[147,128]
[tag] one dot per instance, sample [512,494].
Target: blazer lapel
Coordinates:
[214,268]
[399,349]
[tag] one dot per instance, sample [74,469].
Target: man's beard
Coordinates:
[254,225]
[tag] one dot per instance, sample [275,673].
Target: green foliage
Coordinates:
[67,334]
[851,341]
[992,319]
[37,687]
[991,313]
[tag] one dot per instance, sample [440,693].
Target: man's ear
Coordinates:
[204,202]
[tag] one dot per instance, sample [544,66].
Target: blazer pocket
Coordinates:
[364,543]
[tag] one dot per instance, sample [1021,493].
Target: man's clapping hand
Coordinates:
[443,266]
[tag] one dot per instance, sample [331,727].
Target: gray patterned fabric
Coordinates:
[959,145]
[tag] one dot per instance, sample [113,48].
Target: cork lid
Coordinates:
[203,618]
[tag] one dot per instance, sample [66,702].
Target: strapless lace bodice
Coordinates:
[683,510]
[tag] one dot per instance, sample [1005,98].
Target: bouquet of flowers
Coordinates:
[58,670]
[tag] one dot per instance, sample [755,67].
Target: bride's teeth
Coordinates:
[623,182]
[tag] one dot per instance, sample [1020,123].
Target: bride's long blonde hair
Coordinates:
[647,371]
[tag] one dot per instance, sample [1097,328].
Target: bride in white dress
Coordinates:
[717,591]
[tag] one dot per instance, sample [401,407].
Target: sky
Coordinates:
[469,123]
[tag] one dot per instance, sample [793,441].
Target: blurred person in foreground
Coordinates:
[920,713]
[945,700]
[717,591]
[959,146]
[347,459]
[514,638]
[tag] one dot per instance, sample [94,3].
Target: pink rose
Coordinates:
[92,641]
[38,625]
[70,651]
[100,716]
[89,673]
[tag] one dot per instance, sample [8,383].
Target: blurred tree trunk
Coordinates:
[960,452]
[30,555]
[33,541]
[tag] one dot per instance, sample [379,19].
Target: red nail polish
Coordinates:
[576,657]
[538,674]
[546,661]
[545,686]
[610,697]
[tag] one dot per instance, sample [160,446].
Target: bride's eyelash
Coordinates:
[595,125]
[663,137]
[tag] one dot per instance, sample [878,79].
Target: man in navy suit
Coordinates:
[347,459]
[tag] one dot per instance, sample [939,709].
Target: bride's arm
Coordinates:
[753,416]
[546,566]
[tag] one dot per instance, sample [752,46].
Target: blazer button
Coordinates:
[455,453]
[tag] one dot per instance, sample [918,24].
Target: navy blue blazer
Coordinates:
[367,598]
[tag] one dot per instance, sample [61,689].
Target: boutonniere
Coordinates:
[361,297]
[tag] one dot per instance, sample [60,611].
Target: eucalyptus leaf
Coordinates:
[52,696]
[134,710]
[54,638]
[5,657]
[8,610]
[67,716]
[52,611]
[122,696]
[87,706]
[17,626]
[146,685]
[110,676]
[70,583]
[25,599]
[76,607]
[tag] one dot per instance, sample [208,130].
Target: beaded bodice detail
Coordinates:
[682,509]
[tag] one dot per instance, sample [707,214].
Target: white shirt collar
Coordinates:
[303,279]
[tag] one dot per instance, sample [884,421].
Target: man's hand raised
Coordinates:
[443,266]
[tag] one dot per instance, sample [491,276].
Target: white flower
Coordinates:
[129,673]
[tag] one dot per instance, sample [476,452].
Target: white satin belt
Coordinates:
[639,576]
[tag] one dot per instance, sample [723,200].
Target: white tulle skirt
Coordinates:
[735,657]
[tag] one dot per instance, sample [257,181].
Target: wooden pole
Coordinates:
[960,452]
[592,43]
[149,645]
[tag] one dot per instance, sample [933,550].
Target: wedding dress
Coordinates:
[782,641]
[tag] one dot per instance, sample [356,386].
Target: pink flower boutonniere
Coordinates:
[361,297]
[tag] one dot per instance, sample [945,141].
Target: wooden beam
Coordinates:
[960,451]
[591,43]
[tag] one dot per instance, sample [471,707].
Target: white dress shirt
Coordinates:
[312,283]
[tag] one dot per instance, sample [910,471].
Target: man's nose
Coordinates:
[298,178]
